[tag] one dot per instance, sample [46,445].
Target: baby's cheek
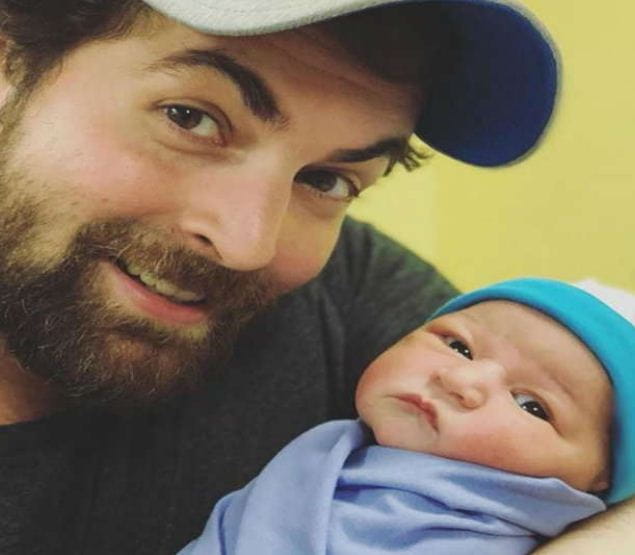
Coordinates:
[506,449]
[374,383]
[476,446]
[480,443]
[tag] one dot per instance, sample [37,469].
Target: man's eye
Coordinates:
[328,183]
[458,346]
[193,120]
[531,405]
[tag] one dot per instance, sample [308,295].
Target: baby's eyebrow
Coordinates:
[561,384]
[552,376]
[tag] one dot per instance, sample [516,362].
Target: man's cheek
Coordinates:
[110,182]
[288,272]
[302,252]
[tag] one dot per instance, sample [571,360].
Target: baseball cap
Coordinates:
[492,109]
[608,334]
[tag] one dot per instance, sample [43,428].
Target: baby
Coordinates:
[501,421]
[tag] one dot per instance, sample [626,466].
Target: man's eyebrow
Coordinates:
[262,102]
[256,94]
[393,148]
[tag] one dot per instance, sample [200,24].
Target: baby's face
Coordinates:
[498,384]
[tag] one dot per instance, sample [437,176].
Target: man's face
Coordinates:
[497,384]
[159,189]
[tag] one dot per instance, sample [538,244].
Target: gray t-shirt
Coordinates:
[99,483]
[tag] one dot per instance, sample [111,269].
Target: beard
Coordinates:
[60,323]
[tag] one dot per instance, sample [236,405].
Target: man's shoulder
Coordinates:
[362,241]
[371,271]
[376,290]
[367,257]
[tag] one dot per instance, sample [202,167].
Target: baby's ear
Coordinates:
[601,482]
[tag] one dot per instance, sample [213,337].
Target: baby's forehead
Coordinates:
[524,338]
[501,315]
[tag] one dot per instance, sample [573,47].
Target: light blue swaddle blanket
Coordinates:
[332,491]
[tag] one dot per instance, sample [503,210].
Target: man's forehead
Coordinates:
[310,45]
[257,64]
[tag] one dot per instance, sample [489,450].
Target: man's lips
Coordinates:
[152,303]
[424,407]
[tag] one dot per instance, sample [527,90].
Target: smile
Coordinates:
[158,285]
[422,407]
[144,293]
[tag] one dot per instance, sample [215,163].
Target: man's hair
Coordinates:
[386,41]
[39,33]
[412,45]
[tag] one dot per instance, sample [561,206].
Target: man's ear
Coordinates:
[6,87]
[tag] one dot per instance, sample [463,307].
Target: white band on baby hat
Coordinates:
[620,300]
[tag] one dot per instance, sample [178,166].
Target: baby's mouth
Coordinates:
[424,407]
[159,285]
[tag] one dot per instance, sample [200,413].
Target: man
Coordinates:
[161,184]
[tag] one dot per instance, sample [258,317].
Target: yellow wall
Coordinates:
[569,210]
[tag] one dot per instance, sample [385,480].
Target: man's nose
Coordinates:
[472,382]
[236,217]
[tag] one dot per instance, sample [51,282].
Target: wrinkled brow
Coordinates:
[258,97]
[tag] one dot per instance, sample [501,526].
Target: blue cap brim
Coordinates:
[496,104]
[609,336]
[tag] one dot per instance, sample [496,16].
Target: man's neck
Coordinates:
[23,396]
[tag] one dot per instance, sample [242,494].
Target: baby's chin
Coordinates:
[399,435]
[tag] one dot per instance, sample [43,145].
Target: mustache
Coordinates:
[127,243]
[58,325]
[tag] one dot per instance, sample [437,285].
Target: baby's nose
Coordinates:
[472,382]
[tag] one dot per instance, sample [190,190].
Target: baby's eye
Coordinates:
[530,404]
[458,346]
